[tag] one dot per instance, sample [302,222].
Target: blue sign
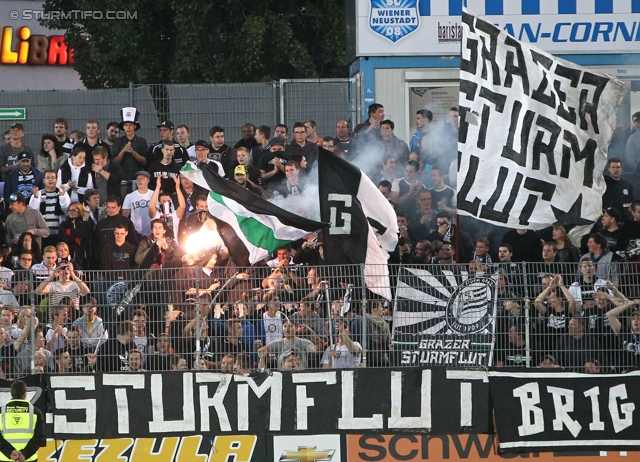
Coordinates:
[394,19]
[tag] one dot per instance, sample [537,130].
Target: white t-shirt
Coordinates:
[49,336]
[139,205]
[272,327]
[6,275]
[344,358]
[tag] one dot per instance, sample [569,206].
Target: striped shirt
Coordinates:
[52,214]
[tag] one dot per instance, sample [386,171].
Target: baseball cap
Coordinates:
[166,123]
[240,170]
[142,172]
[24,155]
[202,144]
[277,140]
[17,125]
[15,197]
[287,353]
[613,213]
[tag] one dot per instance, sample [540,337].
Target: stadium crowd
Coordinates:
[96,237]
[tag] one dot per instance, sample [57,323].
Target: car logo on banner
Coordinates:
[307,448]
[394,19]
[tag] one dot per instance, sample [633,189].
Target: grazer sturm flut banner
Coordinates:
[566,411]
[149,405]
[444,316]
[534,132]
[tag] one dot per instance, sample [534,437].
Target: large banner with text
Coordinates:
[183,404]
[565,411]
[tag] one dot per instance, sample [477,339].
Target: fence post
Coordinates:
[527,302]
[282,114]
[132,103]
[364,319]
[32,326]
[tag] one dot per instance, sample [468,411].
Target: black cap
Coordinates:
[166,123]
[17,197]
[17,125]
[202,144]
[613,213]
[24,155]
[277,140]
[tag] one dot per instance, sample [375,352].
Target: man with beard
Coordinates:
[220,151]
[241,177]
[247,141]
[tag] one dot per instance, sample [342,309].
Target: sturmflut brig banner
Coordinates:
[316,402]
[444,316]
[534,132]
[538,412]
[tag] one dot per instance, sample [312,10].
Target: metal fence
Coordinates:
[290,317]
[198,106]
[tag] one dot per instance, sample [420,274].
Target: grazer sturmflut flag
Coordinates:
[363,223]
[261,226]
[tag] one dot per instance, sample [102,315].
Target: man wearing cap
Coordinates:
[220,151]
[24,219]
[611,231]
[23,179]
[155,154]
[203,160]
[272,164]
[129,150]
[240,176]
[9,152]
[136,205]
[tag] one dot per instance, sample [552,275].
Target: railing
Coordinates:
[289,317]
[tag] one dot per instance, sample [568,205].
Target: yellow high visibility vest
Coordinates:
[18,424]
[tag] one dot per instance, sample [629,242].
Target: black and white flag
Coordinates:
[364,226]
[558,411]
[534,132]
[444,316]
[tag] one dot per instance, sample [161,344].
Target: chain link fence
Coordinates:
[284,316]
[200,107]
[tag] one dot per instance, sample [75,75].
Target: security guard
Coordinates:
[22,427]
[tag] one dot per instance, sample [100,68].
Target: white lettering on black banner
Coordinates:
[564,411]
[178,404]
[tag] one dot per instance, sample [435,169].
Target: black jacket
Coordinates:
[113,183]
[83,178]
